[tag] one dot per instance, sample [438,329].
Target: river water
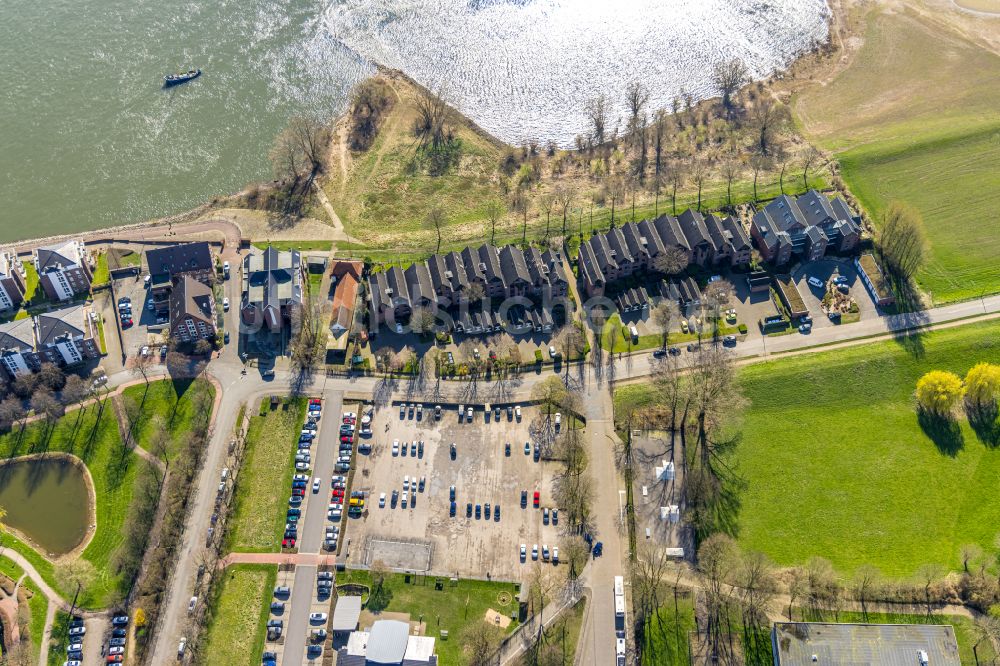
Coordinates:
[88,138]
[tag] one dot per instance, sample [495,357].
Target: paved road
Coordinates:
[237,390]
[312,529]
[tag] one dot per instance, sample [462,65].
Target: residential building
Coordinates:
[821,644]
[387,643]
[683,291]
[17,347]
[807,227]
[167,265]
[192,310]
[63,270]
[66,336]
[636,247]
[346,277]
[11,281]
[272,288]
[447,281]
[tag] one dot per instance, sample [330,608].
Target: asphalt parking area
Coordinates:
[424,534]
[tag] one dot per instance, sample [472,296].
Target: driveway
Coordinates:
[825,269]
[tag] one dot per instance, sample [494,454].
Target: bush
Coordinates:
[538,356]
[938,392]
[742,328]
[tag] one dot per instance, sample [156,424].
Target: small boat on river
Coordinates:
[175,79]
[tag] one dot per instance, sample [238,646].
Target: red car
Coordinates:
[114,659]
[337,494]
[301,492]
[346,440]
[288,543]
[536,499]
[315,401]
[126,323]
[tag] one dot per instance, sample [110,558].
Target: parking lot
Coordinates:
[823,271]
[423,535]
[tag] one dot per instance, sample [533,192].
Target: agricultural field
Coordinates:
[238,614]
[914,118]
[837,465]
[262,488]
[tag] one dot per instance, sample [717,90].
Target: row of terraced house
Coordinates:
[806,228]
[447,282]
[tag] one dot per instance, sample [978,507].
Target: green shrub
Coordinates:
[538,356]
[742,328]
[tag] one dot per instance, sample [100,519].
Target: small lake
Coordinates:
[46,499]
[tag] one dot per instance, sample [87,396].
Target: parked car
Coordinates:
[524,551]
[659,353]
[119,620]
[517,412]
[77,631]
[545,516]
[555,516]
[468,510]
[537,496]
[729,340]
[815,282]
[805,328]
[534,551]
[225,304]
[282,591]
[315,618]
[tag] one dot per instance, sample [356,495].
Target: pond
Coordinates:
[46,499]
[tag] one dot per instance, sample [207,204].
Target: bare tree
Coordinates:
[433,114]
[309,335]
[927,575]
[300,148]
[767,119]
[435,220]
[731,170]
[480,640]
[675,175]
[812,156]
[422,320]
[545,203]
[520,202]
[865,585]
[729,76]
[637,97]
[495,210]
[571,341]
[757,582]
[564,198]
[902,240]
[664,315]
[699,173]
[659,141]
[75,390]
[44,403]
[758,163]
[11,411]
[614,191]
[715,297]
[51,376]
[597,113]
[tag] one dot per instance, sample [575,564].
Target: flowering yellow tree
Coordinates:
[982,385]
[939,391]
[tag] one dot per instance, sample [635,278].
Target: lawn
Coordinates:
[837,465]
[265,480]
[914,118]
[652,341]
[452,608]
[172,404]
[113,470]
[301,245]
[665,636]
[58,642]
[39,606]
[101,273]
[239,612]
[30,281]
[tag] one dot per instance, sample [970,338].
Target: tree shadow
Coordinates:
[943,431]
[907,316]
[379,599]
[983,420]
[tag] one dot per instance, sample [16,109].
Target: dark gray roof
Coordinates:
[191,297]
[459,277]
[841,209]
[273,278]
[58,325]
[490,261]
[815,208]
[512,265]
[784,214]
[692,224]
[418,283]
[177,259]
[737,234]
[396,280]
[616,241]
[58,256]
[670,232]
[17,335]
[797,643]
[719,237]
[471,261]
[588,264]
[438,269]
[647,231]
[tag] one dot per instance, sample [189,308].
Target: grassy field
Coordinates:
[387,183]
[451,609]
[38,606]
[239,614]
[665,638]
[652,341]
[57,646]
[113,470]
[101,273]
[301,245]
[265,479]
[914,118]
[837,465]
[171,403]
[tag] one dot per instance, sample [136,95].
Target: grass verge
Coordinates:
[59,640]
[665,635]
[39,607]
[265,480]
[239,614]
[560,639]
[452,608]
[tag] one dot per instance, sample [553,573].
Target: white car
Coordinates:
[350,415]
[406,482]
[300,477]
[381,501]
[555,554]
[317,617]
[815,282]
[316,483]
[116,650]
[225,304]
[468,413]
[301,466]
[517,412]
[77,631]
[524,551]
[144,352]
[534,551]
[545,552]
[395,447]
[334,515]
[406,495]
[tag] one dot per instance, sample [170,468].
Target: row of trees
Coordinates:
[940,392]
